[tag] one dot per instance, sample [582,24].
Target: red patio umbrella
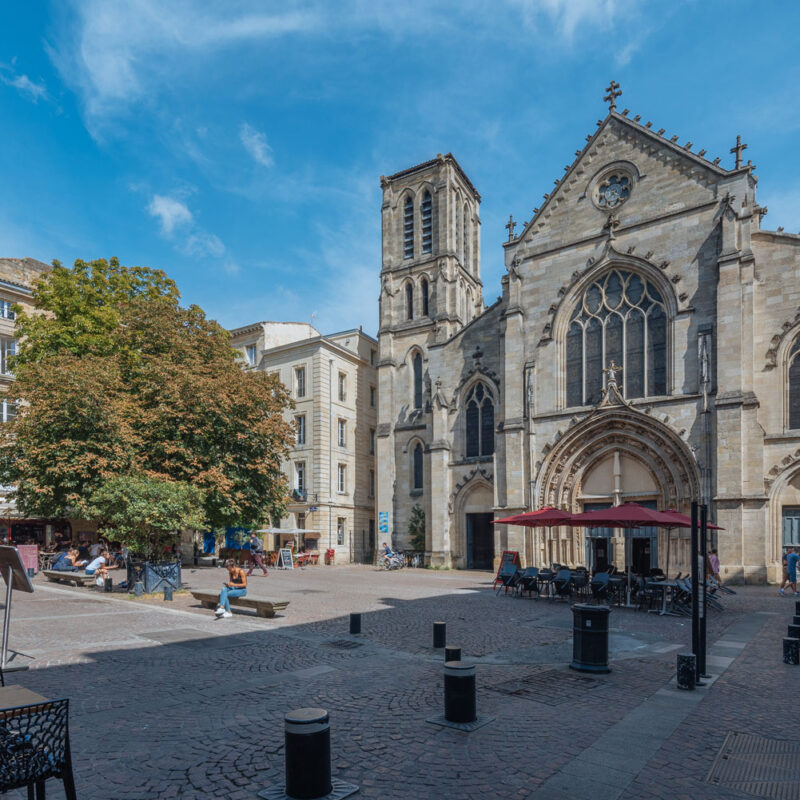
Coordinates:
[546,517]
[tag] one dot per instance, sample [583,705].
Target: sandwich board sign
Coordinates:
[285,558]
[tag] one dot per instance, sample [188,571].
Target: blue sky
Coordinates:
[238,145]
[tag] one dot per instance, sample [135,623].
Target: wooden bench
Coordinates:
[75,578]
[264,608]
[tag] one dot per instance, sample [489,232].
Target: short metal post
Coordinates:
[687,670]
[791,650]
[459,692]
[308,753]
[796,619]
[168,593]
[108,585]
[794,631]
[31,572]
[439,634]
[355,623]
[797,606]
[452,653]
[7,616]
[138,588]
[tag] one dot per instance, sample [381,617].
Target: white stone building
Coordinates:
[646,256]
[331,470]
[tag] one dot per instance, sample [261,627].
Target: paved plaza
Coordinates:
[169,702]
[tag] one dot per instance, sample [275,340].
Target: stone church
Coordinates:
[646,347]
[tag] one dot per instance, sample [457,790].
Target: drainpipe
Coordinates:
[330,453]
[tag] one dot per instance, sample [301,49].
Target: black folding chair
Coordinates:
[562,583]
[599,586]
[34,746]
[529,581]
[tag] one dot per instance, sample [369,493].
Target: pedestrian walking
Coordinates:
[785,569]
[235,587]
[792,557]
[256,554]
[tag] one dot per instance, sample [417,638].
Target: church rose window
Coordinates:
[408,228]
[794,385]
[480,422]
[426,211]
[621,317]
[613,190]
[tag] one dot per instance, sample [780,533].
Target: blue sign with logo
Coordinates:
[383,521]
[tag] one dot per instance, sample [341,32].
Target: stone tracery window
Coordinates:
[613,191]
[621,317]
[408,228]
[480,422]
[417,367]
[426,212]
[417,467]
[794,384]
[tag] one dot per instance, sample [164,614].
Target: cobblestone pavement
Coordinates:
[168,702]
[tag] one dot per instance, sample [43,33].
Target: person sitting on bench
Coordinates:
[235,587]
[101,564]
[68,561]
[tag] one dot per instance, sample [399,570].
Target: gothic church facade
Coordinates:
[646,347]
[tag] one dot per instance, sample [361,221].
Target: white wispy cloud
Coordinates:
[178,224]
[22,83]
[255,142]
[170,213]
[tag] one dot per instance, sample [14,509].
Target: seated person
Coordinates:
[235,587]
[101,564]
[83,551]
[66,562]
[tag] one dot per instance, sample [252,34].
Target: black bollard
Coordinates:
[796,619]
[439,634]
[138,588]
[791,651]
[31,572]
[452,653]
[794,631]
[168,593]
[459,692]
[196,560]
[108,585]
[308,753]
[797,606]
[355,623]
[687,670]
[590,638]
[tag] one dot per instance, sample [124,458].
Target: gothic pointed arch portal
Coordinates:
[628,436]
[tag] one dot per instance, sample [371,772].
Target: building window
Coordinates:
[372,441]
[372,356]
[342,387]
[8,349]
[408,228]
[409,301]
[794,385]
[622,318]
[341,436]
[300,422]
[342,479]
[301,521]
[424,297]
[300,381]
[8,411]
[480,422]
[427,222]
[6,311]
[417,363]
[418,466]
[372,483]
[466,236]
[372,396]
[340,522]
[250,351]
[300,478]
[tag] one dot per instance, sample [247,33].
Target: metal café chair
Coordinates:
[599,587]
[34,746]
[529,581]
[562,583]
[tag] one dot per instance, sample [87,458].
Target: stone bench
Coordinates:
[75,578]
[264,608]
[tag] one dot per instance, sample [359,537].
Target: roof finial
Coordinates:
[738,150]
[613,93]
[510,225]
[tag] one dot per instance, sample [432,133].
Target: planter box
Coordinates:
[154,575]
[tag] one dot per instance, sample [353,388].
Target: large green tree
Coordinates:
[117,380]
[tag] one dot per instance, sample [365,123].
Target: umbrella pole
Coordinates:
[669,539]
[628,564]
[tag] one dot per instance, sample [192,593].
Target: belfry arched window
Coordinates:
[424,287]
[408,228]
[417,364]
[409,301]
[794,384]
[480,422]
[426,212]
[465,224]
[418,476]
[621,317]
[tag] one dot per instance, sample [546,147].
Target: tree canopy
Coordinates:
[117,380]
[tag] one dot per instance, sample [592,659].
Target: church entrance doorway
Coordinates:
[480,541]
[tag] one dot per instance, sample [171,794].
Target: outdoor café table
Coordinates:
[13,696]
[617,583]
[46,560]
[662,586]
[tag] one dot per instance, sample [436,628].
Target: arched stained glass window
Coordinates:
[621,317]
[424,297]
[409,301]
[418,466]
[426,212]
[417,381]
[465,224]
[794,385]
[408,228]
[480,422]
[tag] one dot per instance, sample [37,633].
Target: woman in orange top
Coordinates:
[235,587]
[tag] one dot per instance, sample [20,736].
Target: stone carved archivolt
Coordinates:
[478,472]
[639,435]
[775,341]
[786,464]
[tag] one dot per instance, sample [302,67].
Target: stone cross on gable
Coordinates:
[738,150]
[611,373]
[613,93]
[510,225]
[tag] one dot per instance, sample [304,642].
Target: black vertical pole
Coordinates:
[695,586]
[703,576]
